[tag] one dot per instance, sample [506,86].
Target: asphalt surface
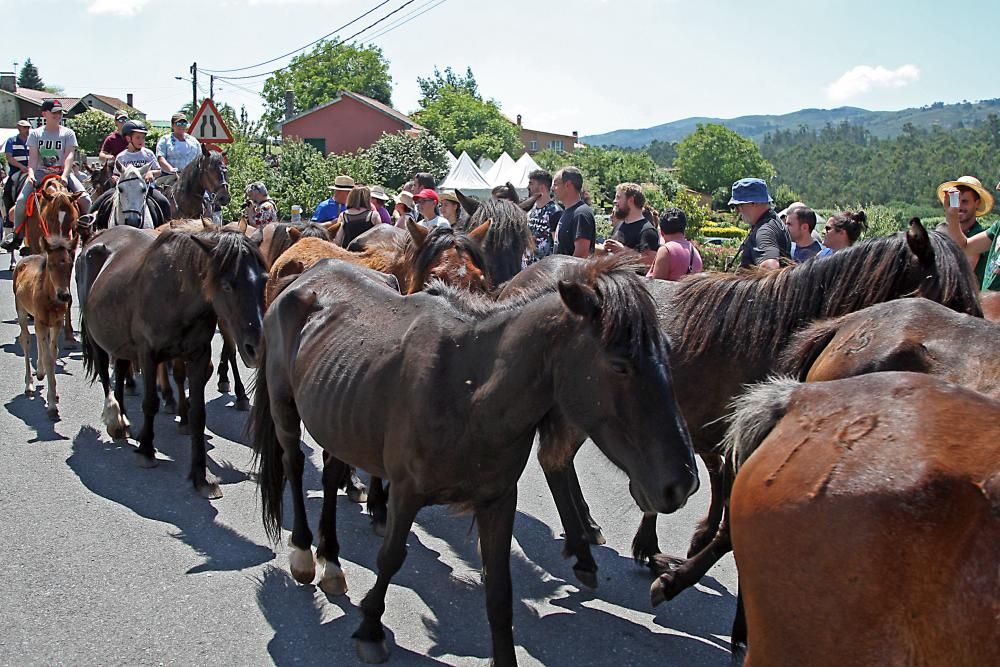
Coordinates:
[105,563]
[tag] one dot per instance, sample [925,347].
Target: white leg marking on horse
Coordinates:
[333,581]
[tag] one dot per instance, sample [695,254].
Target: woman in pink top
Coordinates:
[676,256]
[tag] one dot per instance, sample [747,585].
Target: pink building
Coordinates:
[346,123]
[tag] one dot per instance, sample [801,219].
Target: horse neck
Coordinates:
[189,192]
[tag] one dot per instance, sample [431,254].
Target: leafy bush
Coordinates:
[718,257]
[724,232]
[395,158]
[91,127]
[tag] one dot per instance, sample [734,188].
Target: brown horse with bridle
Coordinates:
[471,380]
[42,291]
[865,521]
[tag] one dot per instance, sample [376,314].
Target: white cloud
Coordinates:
[119,7]
[863,78]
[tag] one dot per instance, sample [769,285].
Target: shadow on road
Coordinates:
[31,411]
[163,494]
[548,610]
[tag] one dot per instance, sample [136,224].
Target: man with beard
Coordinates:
[974,202]
[635,231]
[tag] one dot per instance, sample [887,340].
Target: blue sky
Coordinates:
[586,65]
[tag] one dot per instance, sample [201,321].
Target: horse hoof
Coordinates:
[170,406]
[53,414]
[662,564]
[379,528]
[373,653]
[334,586]
[357,493]
[144,461]
[596,537]
[242,404]
[225,387]
[209,490]
[587,578]
[184,428]
[664,588]
[303,565]
[118,433]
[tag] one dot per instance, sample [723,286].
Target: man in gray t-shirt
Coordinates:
[50,151]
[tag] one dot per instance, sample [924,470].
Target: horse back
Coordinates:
[872,507]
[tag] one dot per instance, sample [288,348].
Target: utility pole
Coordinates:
[194,86]
[211,87]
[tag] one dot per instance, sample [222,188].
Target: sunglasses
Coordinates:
[182,123]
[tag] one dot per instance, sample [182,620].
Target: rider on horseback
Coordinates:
[50,152]
[135,155]
[16,152]
[177,149]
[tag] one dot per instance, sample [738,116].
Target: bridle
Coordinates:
[145,194]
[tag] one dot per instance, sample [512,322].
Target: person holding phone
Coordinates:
[959,197]
[972,201]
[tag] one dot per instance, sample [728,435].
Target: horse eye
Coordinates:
[621,367]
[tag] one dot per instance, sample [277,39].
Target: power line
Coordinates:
[332,45]
[301,48]
[403,20]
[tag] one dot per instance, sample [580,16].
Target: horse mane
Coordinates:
[437,241]
[753,414]
[761,309]
[805,346]
[508,238]
[227,250]
[628,319]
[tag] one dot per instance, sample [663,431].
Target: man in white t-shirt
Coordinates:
[50,151]
[136,154]
[177,149]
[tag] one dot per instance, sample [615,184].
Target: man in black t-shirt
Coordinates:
[577,228]
[768,240]
[634,232]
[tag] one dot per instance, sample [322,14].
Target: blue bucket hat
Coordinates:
[750,191]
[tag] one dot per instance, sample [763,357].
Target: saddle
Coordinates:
[32,204]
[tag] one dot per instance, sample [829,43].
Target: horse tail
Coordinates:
[89,357]
[754,415]
[805,348]
[267,452]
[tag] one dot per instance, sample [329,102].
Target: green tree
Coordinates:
[465,123]
[603,169]
[29,76]
[396,157]
[315,77]
[715,156]
[91,127]
[431,86]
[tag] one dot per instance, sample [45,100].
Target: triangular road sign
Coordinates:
[207,125]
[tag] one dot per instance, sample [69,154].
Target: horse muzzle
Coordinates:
[133,220]
[63,296]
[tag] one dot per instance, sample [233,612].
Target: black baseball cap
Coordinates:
[52,105]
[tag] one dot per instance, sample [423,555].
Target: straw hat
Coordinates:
[404,198]
[343,183]
[379,193]
[449,195]
[985,198]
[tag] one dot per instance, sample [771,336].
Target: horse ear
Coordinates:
[332,228]
[470,204]
[75,195]
[73,244]
[243,226]
[417,232]
[206,223]
[204,151]
[580,299]
[43,243]
[479,233]
[295,233]
[919,242]
[207,245]
[528,203]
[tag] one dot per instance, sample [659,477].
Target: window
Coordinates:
[556,145]
[318,144]
[532,146]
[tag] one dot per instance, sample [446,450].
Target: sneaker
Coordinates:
[11,242]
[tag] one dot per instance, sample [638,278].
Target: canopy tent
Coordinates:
[484,164]
[452,160]
[465,176]
[527,165]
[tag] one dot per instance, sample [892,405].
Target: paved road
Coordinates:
[104,563]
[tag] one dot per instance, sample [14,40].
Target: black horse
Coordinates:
[148,300]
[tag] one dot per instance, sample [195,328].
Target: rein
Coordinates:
[145,196]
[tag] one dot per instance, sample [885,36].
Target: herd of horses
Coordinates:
[856,479]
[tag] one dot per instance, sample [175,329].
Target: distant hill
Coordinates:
[883,124]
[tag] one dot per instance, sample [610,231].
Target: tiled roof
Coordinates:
[367,101]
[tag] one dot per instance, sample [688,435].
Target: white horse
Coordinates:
[130,203]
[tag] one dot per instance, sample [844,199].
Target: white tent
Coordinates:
[452,160]
[527,165]
[485,164]
[503,170]
[465,176]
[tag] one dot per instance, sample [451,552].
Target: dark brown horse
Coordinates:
[727,331]
[865,522]
[380,235]
[473,380]
[508,240]
[906,335]
[277,237]
[149,300]
[991,306]
[201,187]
